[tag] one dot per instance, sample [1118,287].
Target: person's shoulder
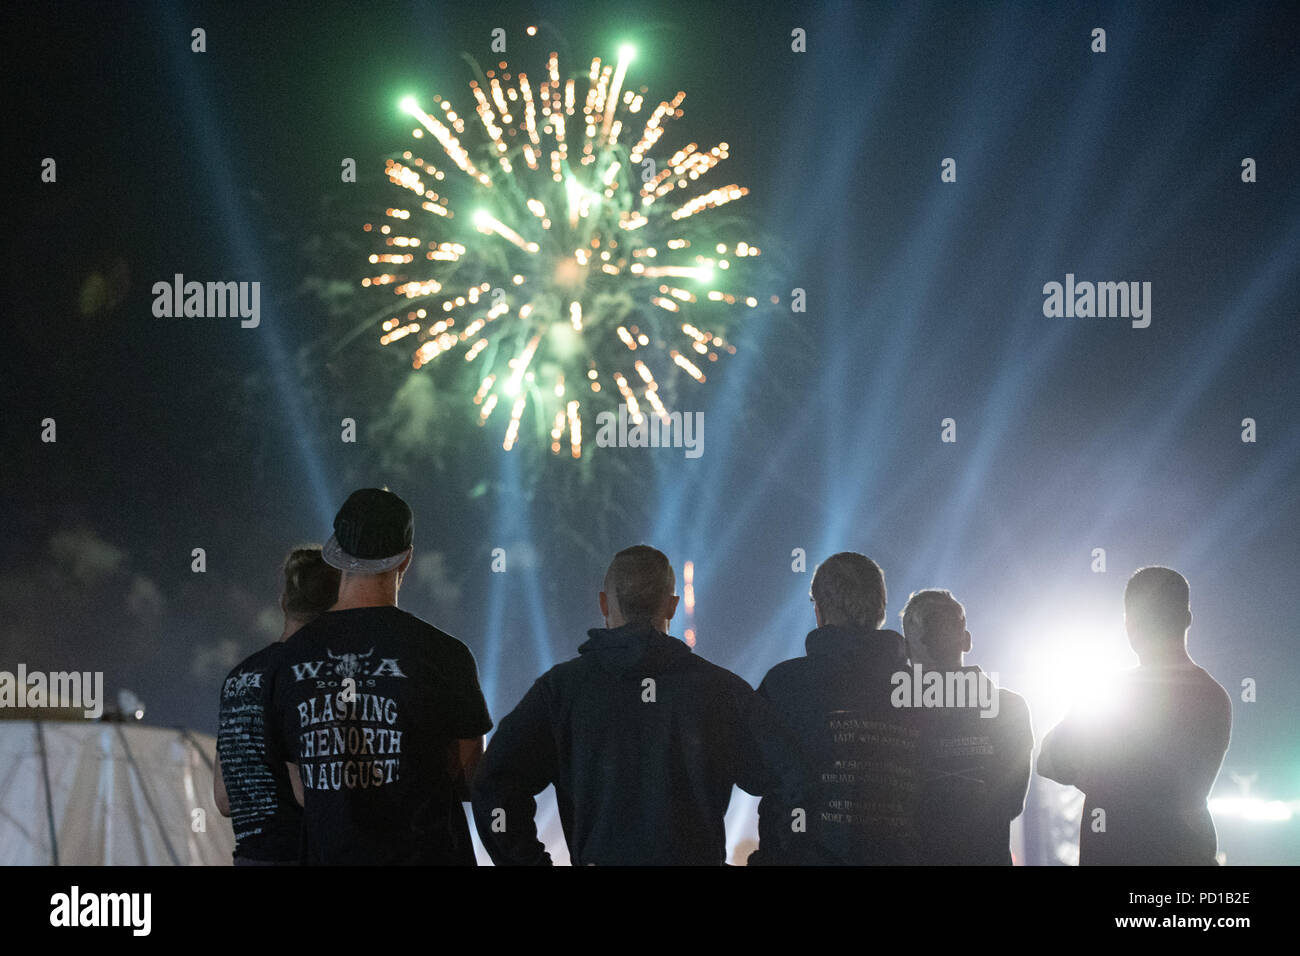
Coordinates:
[1013,711]
[560,681]
[1213,689]
[255,659]
[430,641]
[565,670]
[1196,680]
[1209,679]
[307,636]
[717,674]
[250,677]
[418,625]
[1012,703]
[386,622]
[261,659]
[1187,685]
[779,675]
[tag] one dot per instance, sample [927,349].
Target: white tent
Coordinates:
[97,793]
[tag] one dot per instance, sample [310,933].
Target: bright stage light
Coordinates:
[1078,666]
[1254,809]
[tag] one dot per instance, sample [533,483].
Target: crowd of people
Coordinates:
[357,737]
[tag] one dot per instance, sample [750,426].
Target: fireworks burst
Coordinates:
[559,255]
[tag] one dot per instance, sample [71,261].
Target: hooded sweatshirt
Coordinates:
[643,740]
[861,751]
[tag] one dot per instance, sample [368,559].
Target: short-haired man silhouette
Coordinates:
[859,750]
[974,749]
[642,738]
[1148,758]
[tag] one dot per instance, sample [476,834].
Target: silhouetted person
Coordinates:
[859,748]
[259,794]
[381,711]
[1148,757]
[642,739]
[975,749]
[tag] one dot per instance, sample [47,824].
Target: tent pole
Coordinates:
[189,738]
[49,794]
[148,799]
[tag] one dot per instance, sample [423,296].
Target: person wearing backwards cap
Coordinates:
[381,711]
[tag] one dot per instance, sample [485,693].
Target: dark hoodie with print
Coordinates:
[861,751]
[643,740]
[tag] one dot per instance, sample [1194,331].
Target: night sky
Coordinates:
[924,298]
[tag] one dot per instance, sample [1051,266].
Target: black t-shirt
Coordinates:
[1146,758]
[263,811]
[974,772]
[367,702]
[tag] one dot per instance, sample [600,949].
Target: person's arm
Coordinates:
[1069,750]
[1224,729]
[771,760]
[275,737]
[295,782]
[462,760]
[1047,758]
[1015,752]
[1196,742]
[520,762]
[219,790]
[465,716]
[779,773]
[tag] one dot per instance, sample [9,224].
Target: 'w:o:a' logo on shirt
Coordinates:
[347,665]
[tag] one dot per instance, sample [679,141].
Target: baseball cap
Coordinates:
[372,533]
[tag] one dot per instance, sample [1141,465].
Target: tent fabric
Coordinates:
[96,793]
